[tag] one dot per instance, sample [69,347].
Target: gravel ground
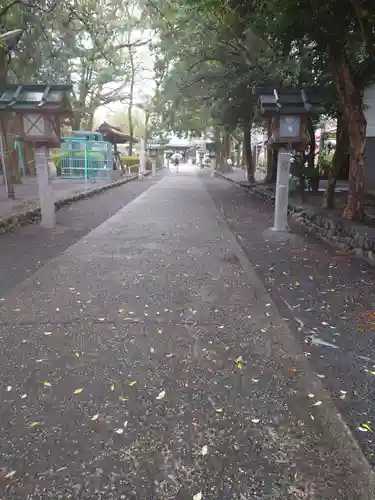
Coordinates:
[326,296]
[148,362]
[28,248]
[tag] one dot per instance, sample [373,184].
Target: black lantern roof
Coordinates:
[271,102]
[41,98]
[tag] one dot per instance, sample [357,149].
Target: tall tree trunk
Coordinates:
[352,108]
[247,151]
[338,162]
[271,161]
[28,158]
[77,119]
[90,121]
[226,145]
[131,98]
[314,182]
[217,143]
[12,171]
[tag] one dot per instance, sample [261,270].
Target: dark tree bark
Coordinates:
[338,162]
[248,155]
[271,166]
[314,183]
[352,108]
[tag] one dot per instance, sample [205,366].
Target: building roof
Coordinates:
[298,101]
[114,134]
[178,143]
[41,98]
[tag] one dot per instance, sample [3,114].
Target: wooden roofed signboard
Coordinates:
[288,111]
[37,110]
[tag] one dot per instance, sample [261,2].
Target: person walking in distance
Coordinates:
[176,159]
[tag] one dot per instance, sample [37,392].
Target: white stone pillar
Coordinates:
[47,202]
[153,166]
[142,159]
[282,191]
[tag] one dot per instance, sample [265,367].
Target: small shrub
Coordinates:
[324,162]
[132,162]
[129,160]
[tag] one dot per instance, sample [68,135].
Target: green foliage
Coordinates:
[84,42]
[130,160]
[215,58]
[325,162]
[133,162]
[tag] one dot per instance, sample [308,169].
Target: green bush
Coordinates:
[133,162]
[324,162]
[129,160]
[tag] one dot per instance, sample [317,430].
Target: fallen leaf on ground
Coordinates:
[132,383]
[36,423]
[122,398]
[365,428]
[10,474]
[239,362]
[47,384]
[160,395]
[318,403]
[95,417]
[204,450]
[78,391]
[292,369]
[198,496]
[119,431]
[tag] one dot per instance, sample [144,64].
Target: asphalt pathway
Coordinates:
[147,361]
[326,295]
[28,248]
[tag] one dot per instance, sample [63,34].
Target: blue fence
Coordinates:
[85,159]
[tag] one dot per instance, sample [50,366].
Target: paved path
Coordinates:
[29,247]
[27,196]
[148,362]
[326,295]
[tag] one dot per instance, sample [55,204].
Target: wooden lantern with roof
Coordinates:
[288,111]
[37,111]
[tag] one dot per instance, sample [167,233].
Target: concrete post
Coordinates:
[142,159]
[153,166]
[282,191]
[45,190]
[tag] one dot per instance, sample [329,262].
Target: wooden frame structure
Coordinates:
[115,136]
[36,111]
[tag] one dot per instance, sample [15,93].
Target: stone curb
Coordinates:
[348,236]
[12,221]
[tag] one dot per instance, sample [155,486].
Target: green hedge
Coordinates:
[129,160]
[133,161]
